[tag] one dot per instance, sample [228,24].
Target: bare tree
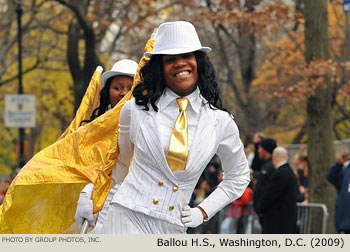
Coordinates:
[234,29]
[8,40]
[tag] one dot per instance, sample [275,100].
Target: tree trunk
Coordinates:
[81,71]
[319,113]
[81,68]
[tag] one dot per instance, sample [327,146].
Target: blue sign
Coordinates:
[346,5]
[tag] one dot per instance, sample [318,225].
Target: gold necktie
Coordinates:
[178,147]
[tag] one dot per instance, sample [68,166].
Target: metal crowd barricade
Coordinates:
[304,216]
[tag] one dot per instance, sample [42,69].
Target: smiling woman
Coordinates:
[180,73]
[172,128]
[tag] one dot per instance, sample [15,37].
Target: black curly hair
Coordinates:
[152,82]
[104,102]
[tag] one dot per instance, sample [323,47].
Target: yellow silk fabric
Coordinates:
[178,147]
[43,196]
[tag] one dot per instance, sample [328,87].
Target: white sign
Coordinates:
[20,111]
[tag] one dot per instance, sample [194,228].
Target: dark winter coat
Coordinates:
[339,176]
[277,203]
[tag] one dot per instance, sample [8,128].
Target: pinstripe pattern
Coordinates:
[134,201]
[102,215]
[183,35]
[150,166]
[127,221]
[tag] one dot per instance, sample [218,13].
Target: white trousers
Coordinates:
[121,220]
[102,215]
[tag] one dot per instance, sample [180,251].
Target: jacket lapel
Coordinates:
[151,132]
[200,152]
[204,138]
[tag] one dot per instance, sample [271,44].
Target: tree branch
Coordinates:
[29,69]
[230,73]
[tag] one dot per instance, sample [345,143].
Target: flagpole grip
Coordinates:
[84,227]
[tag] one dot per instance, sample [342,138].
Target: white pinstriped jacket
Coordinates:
[152,188]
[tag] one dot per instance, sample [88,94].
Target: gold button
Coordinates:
[160,183]
[155,201]
[175,188]
[171,208]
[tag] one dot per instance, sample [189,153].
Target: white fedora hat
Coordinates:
[122,67]
[176,38]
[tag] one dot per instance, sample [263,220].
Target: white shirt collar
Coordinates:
[169,96]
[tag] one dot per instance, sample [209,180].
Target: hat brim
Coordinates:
[106,75]
[178,51]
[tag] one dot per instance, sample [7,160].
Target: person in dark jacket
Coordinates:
[277,204]
[257,162]
[266,147]
[339,175]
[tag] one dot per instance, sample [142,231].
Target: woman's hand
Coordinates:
[84,211]
[192,217]
[85,207]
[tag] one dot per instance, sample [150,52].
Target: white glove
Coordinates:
[84,209]
[191,217]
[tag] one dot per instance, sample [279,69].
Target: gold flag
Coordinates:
[43,196]
[89,103]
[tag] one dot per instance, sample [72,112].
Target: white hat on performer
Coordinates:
[122,67]
[176,38]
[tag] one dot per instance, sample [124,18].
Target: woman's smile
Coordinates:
[180,73]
